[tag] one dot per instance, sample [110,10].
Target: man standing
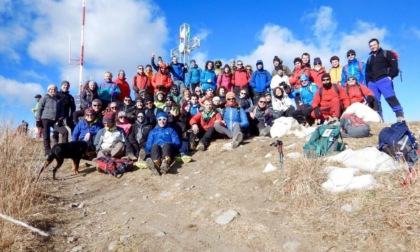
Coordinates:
[35,111]
[108,90]
[178,71]
[123,85]
[354,67]
[260,81]
[381,68]
[68,104]
[140,82]
[240,78]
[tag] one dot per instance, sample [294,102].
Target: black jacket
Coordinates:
[380,65]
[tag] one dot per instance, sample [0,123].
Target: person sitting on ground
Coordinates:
[217,104]
[97,107]
[195,105]
[110,140]
[202,126]
[282,105]
[260,118]
[209,95]
[160,101]
[162,143]
[267,96]
[86,129]
[360,93]
[243,100]
[123,123]
[329,101]
[136,141]
[221,93]
[132,117]
[306,95]
[280,78]
[180,123]
[168,105]
[198,92]
[128,106]
[113,107]
[234,121]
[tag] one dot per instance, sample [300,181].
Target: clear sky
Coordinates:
[34,39]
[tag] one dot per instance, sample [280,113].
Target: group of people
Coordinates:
[181,108]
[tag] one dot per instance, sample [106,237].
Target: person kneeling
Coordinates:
[162,143]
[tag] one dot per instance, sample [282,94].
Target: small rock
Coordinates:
[73,205]
[165,194]
[291,245]
[81,205]
[145,197]
[177,184]
[227,146]
[294,155]
[160,234]
[103,213]
[123,238]
[113,245]
[269,155]
[346,208]
[186,177]
[223,162]
[290,146]
[269,168]
[217,195]
[227,217]
[245,155]
[144,222]
[77,248]
[71,239]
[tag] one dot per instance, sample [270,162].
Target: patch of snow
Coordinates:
[343,179]
[269,168]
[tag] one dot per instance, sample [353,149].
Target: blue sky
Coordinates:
[34,39]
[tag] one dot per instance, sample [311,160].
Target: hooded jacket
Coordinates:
[307,93]
[193,75]
[162,135]
[50,108]
[206,75]
[260,79]
[352,68]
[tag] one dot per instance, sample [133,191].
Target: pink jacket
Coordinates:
[225,80]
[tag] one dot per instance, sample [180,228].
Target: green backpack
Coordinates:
[324,141]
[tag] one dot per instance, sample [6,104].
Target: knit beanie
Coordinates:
[89,111]
[162,114]
[351,51]
[109,117]
[230,95]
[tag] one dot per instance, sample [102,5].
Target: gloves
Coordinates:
[370,99]
[317,112]
[38,123]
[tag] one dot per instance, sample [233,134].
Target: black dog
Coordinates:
[73,150]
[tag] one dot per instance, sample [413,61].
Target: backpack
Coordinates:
[113,166]
[398,139]
[397,58]
[325,140]
[354,126]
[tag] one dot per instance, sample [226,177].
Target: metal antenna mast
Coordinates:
[186,44]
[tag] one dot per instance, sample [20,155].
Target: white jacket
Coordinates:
[276,80]
[281,104]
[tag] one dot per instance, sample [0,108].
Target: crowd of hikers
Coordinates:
[180,108]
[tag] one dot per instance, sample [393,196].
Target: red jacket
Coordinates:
[162,79]
[316,76]
[294,80]
[328,95]
[198,119]
[355,95]
[124,87]
[140,82]
[240,77]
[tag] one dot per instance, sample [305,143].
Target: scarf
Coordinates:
[207,116]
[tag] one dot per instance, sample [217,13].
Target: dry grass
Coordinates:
[383,219]
[20,197]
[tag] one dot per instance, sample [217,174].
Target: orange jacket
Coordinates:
[328,95]
[294,80]
[162,79]
[198,119]
[124,87]
[316,76]
[140,82]
[354,93]
[240,77]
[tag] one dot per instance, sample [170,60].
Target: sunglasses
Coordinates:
[114,107]
[230,99]
[121,117]
[140,68]
[239,64]
[325,79]
[318,64]
[127,100]
[140,116]
[163,68]
[162,119]
[351,79]
[243,93]
[96,105]
[263,102]
[149,102]
[249,69]
[350,54]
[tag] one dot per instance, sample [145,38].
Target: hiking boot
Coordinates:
[193,145]
[201,147]
[166,165]
[400,119]
[186,159]
[132,157]
[151,165]
[237,139]
[142,154]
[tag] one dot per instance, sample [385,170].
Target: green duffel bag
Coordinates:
[325,140]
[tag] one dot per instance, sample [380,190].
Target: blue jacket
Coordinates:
[177,71]
[260,79]
[108,91]
[195,108]
[353,69]
[82,128]
[306,93]
[161,136]
[233,115]
[193,76]
[206,75]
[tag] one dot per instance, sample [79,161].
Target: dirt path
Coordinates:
[177,212]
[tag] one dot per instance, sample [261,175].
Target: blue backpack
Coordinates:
[325,140]
[398,138]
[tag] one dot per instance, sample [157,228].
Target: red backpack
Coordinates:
[113,166]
